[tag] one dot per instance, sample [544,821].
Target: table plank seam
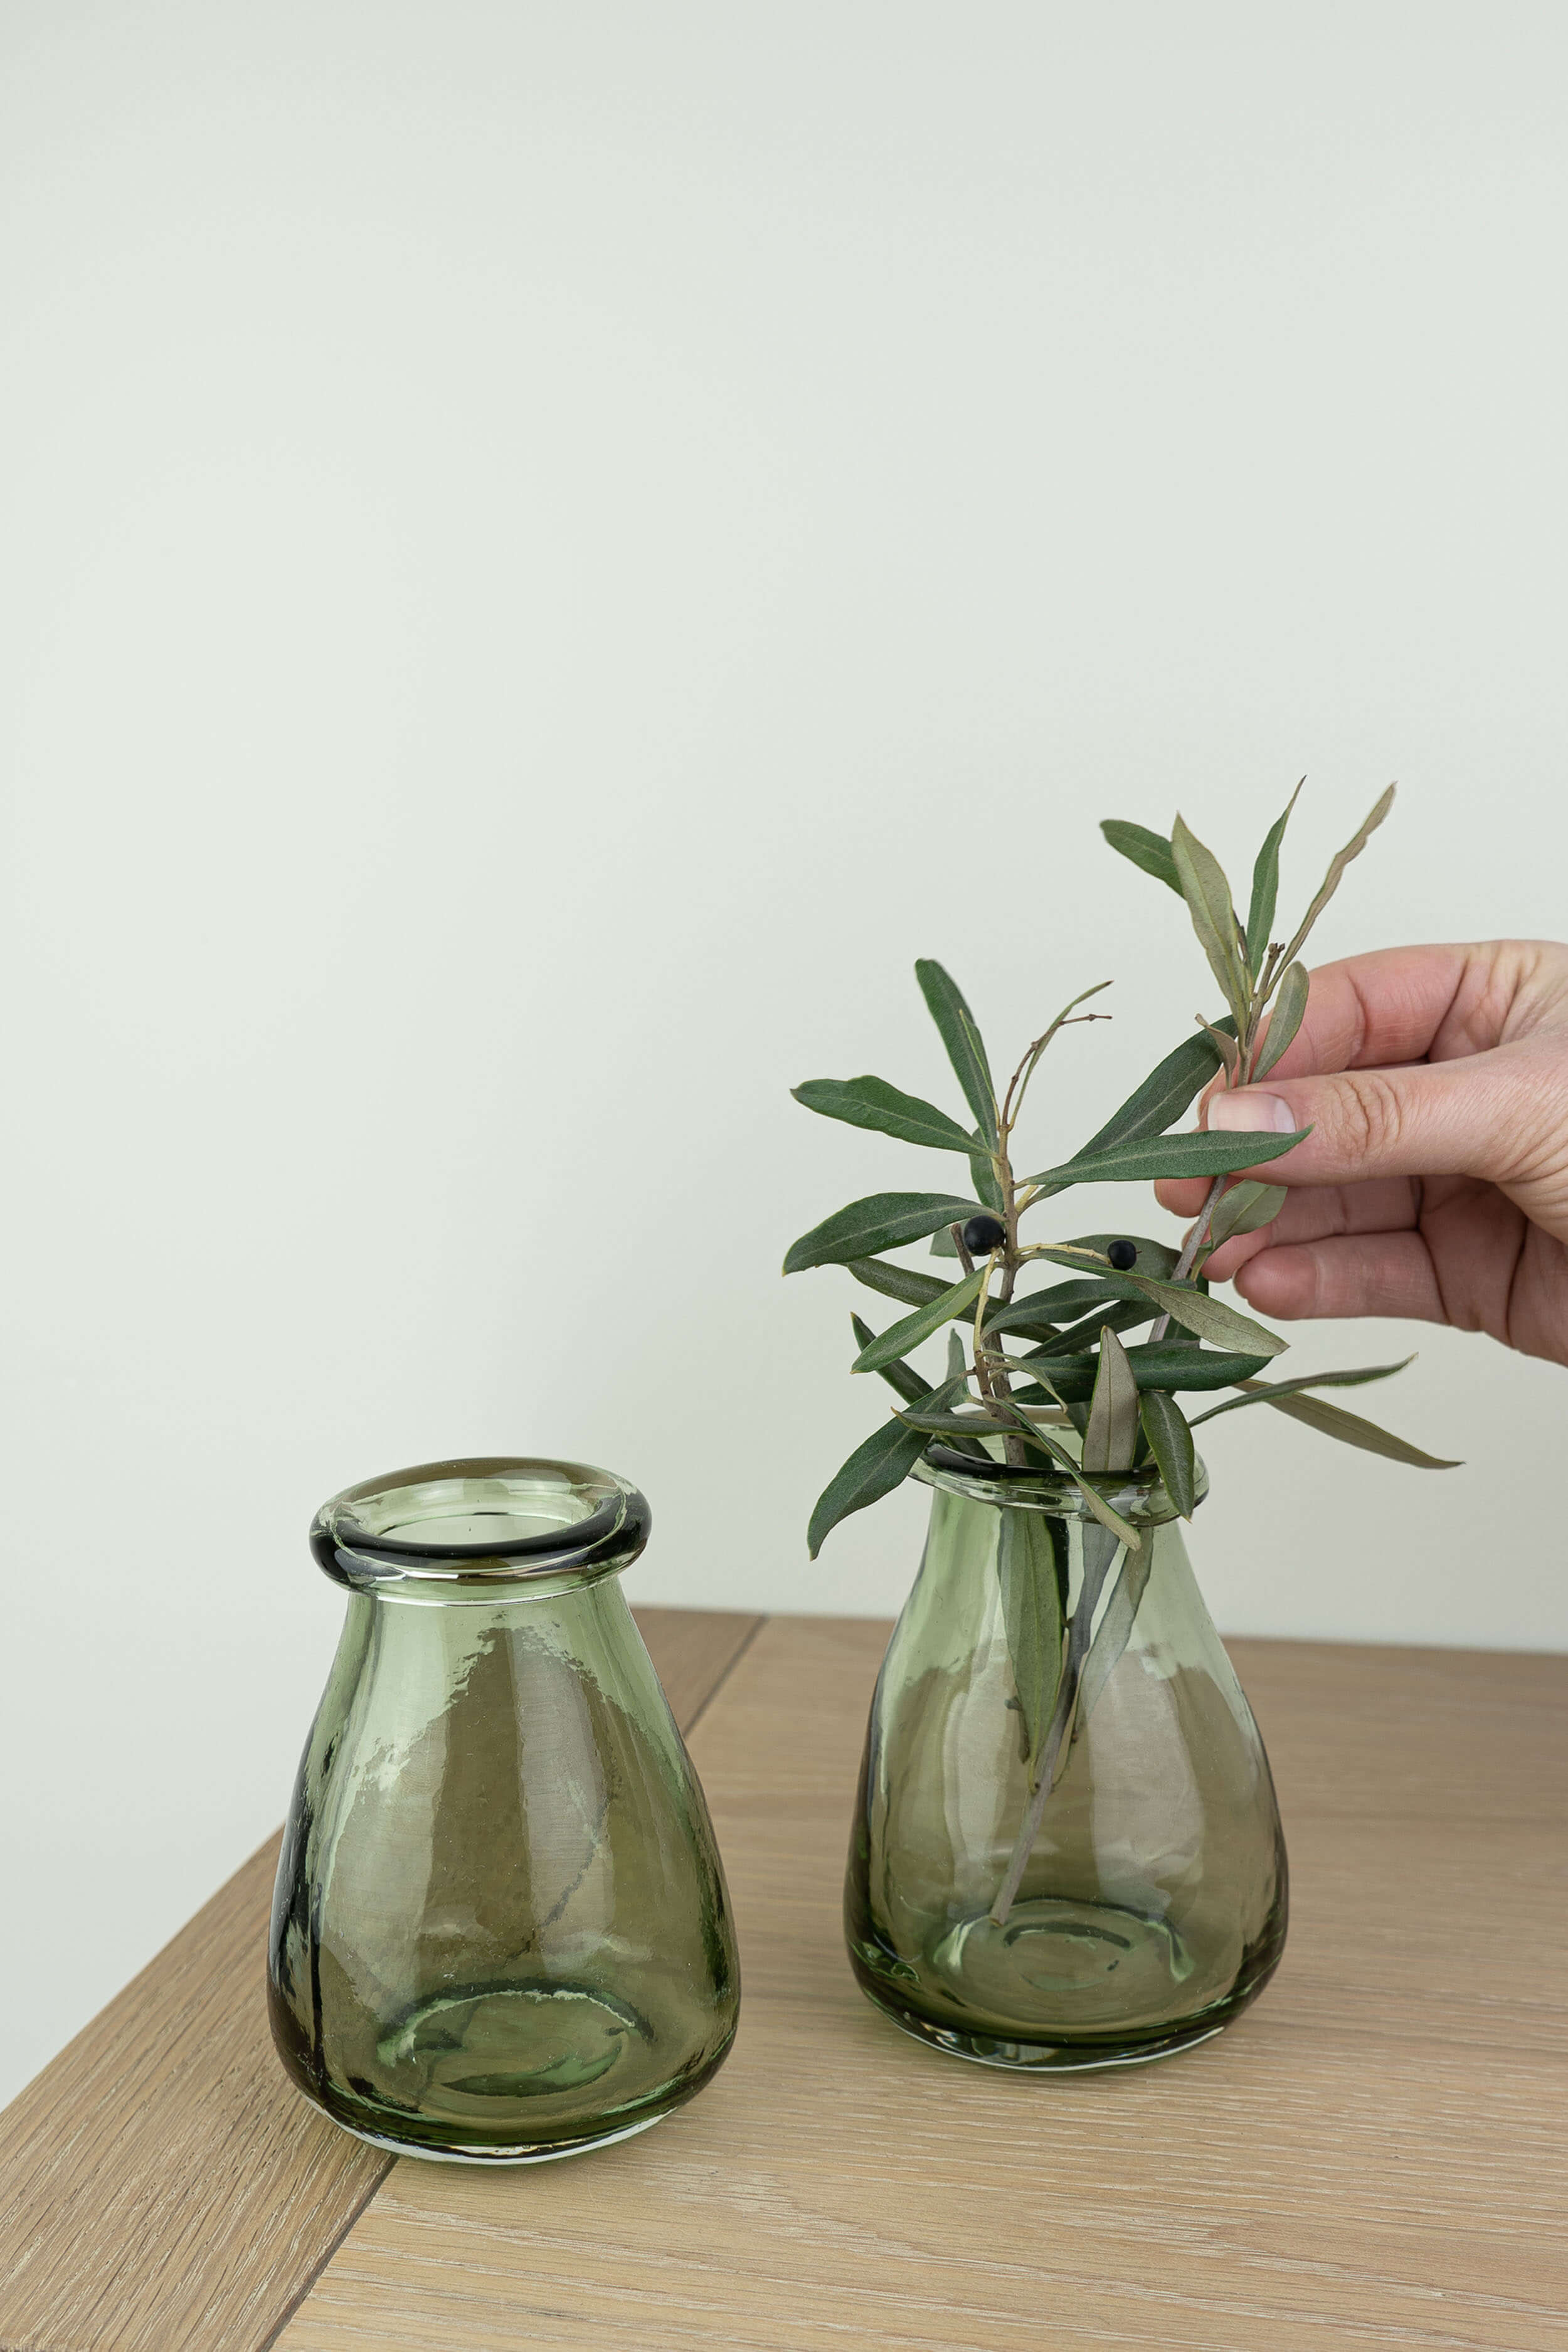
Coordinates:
[709,1697]
[296,2300]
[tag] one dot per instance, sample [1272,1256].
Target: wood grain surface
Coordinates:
[162,2188]
[1375,2156]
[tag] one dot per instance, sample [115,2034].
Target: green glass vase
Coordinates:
[500,1931]
[1066,1851]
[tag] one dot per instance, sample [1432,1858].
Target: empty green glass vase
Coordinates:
[1066,1851]
[501,1932]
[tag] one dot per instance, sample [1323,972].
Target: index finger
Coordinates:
[1399,1004]
[1392,1006]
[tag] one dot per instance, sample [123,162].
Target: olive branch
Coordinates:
[1077,1400]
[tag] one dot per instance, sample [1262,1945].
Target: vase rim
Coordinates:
[426,1526]
[1137,1494]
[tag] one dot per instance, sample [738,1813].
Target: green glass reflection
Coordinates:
[1151,1904]
[501,1930]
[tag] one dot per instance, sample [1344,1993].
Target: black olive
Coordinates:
[983,1234]
[1122,1256]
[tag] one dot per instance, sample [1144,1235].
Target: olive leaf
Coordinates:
[1164,1095]
[1112,1634]
[1245,1209]
[1151,851]
[1101,1284]
[1026,1320]
[1109,1516]
[1102,1553]
[1154,1257]
[1332,1421]
[1270,1391]
[1221,1154]
[1286,1019]
[901,1337]
[1170,1440]
[1124,1315]
[1225,1047]
[1031,1584]
[873,1470]
[1156,1364]
[883,1462]
[873,1103]
[983,1175]
[882,1221]
[902,1378]
[907,1383]
[1266,886]
[1207,1317]
[925,1416]
[1207,894]
[1335,874]
[896,1281]
[1178,1364]
[942,1244]
[1111,1438]
[1043,1310]
[959,1032]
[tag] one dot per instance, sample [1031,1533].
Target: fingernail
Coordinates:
[1253,1111]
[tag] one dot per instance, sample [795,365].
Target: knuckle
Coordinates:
[1312,1282]
[1372,1115]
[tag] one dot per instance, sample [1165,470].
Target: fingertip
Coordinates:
[1183,1196]
[1226,1263]
[1280,1282]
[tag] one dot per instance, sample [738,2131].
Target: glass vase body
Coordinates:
[1151,1905]
[500,1931]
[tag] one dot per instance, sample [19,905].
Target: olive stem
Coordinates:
[1195,1243]
[1078,1628]
[1195,1239]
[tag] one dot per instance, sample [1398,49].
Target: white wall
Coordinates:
[551,552]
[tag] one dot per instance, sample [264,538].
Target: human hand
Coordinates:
[1435,1182]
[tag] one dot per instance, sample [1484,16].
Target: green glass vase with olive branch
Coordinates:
[1081,1863]
[1066,1851]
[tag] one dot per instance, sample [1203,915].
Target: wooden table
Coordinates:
[1374,2155]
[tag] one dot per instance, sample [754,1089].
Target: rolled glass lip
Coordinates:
[353,1535]
[1138,1495]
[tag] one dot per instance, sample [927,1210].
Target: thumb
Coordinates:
[1478,1116]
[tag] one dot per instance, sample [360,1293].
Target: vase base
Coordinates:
[499,2156]
[442,2137]
[1038,2057]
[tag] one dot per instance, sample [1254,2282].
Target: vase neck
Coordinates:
[485,1528]
[1138,1496]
